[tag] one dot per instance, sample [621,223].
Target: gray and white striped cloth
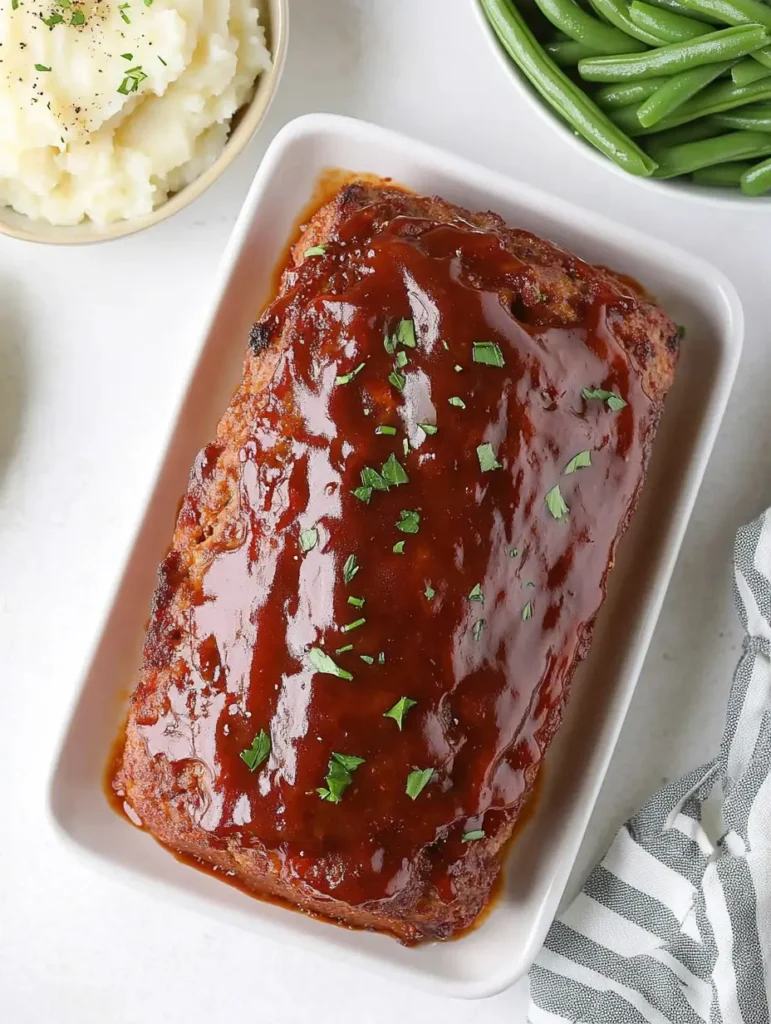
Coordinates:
[674,926]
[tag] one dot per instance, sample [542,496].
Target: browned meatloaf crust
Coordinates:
[322,570]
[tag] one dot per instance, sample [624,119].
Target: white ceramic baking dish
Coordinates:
[696,295]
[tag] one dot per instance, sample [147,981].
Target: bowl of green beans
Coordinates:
[667,90]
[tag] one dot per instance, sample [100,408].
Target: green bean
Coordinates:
[733,12]
[566,53]
[754,119]
[721,175]
[726,44]
[676,91]
[617,13]
[691,156]
[694,131]
[560,93]
[747,71]
[679,8]
[614,96]
[571,19]
[667,26]
[715,99]
[756,180]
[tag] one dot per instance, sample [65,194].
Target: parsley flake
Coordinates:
[367,658]
[428,428]
[350,568]
[372,479]
[429,592]
[488,352]
[127,56]
[417,782]
[315,250]
[405,333]
[556,503]
[402,359]
[487,459]
[254,756]
[470,837]
[398,548]
[381,658]
[580,461]
[513,552]
[614,402]
[41,67]
[409,521]
[398,380]
[346,378]
[78,18]
[123,14]
[363,494]
[309,539]
[457,402]
[339,776]
[393,472]
[133,79]
[527,612]
[322,662]
[357,602]
[399,710]
[476,594]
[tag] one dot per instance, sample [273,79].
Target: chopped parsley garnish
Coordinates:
[398,547]
[390,431]
[123,14]
[372,479]
[513,552]
[14,5]
[54,19]
[409,521]
[127,56]
[363,494]
[405,333]
[469,837]
[309,539]
[133,79]
[399,710]
[258,752]
[680,331]
[479,628]
[417,782]
[339,776]
[476,594]
[350,626]
[393,472]
[41,67]
[350,568]
[487,459]
[357,602]
[78,18]
[580,461]
[428,428]
[488,352]
[457,402]
[346,378]
[344,650]
[367,658]
[381,658]
[398,380]
[324,664]
[527,612]
[430,592]
[148,3]
[614,402]
[402,359]
[556,503]
[315,250]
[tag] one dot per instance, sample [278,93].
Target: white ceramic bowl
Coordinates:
[683,188]
[274,15]
[540,860]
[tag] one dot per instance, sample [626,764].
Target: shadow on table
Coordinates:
[13,376]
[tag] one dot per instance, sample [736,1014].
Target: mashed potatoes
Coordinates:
[107,106]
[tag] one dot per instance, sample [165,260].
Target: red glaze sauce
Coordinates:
[484,674]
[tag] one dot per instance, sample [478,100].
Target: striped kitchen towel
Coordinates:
[674,925]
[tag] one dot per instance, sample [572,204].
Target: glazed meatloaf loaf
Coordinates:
[389,560]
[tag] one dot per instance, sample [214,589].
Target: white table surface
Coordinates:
[94,343]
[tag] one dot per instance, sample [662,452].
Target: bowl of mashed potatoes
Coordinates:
[115,114]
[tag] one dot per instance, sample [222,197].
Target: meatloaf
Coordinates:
[389,561]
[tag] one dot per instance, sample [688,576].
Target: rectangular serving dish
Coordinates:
[501,949]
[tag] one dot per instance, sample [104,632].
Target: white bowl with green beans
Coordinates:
[666,90]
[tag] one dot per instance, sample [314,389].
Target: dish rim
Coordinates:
[252,114]
[674,187]
[496,185]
